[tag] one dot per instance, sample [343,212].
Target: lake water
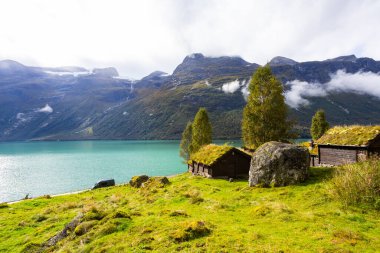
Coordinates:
[38,168]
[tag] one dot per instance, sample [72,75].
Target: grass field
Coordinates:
[194,214]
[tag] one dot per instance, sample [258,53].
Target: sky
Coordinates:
[141,36]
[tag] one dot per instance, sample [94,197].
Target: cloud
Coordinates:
[295,97]
[360,82]
[231,87]
[341,81]
[244,89]
[141,36]
[65,73]
[45,109]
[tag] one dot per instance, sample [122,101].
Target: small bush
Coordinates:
[31,247]
[348,236]
[357,184]
[39,217]
[137,181]
[120,214]
[156,182]
[84,227]
[190,230]
[108,229]
[46,196]
[194,196]
[179,213]
[262,210]
[3,205]
[69,205]
[94,214]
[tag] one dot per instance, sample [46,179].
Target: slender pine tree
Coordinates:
[202,130]
[319,124]
[185,147]
[265,114]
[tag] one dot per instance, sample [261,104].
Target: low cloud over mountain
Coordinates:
[360,83]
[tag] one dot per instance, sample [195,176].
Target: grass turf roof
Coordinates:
[350,135]
[209,154]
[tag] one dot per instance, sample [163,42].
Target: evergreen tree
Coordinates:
[201,130]
[265,114]
[319,124]
[185,147]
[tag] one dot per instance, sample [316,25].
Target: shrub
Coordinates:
[94,214]
[120,214]
[39,217]
[107,229]
[156,182]
[357,184]
[137,181]
[348,236]
[190,230]
[31,247]
[178,213]
[194,196]
[3,205]
[84,227]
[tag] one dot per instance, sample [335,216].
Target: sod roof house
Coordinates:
[220,161]
[348,144]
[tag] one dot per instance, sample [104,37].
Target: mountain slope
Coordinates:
[75,103]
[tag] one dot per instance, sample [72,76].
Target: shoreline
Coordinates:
[53,195]
[80,191]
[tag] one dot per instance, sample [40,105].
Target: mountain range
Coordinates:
[71,102]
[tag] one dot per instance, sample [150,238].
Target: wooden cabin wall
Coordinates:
[200,169]
[223,168]
[232,166]
[242,166]
[374,149]
[362,155]
[228,166]
[337,155]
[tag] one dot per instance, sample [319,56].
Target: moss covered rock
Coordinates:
[137,181]
[156,182]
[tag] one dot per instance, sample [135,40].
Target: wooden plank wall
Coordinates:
[337,156]
[200,169]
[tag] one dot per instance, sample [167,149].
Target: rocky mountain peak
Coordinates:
[195,56]
[280,60]
[156,74]
[105,72]
[11,65]
[351,58]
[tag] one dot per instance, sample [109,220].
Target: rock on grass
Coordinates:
[137,181]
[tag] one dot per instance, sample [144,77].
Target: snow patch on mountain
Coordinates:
[46,109]
[61,73]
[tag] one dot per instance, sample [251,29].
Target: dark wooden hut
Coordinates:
[348,144]
[220,162]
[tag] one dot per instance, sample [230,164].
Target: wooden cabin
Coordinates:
[224,161]
[348,144]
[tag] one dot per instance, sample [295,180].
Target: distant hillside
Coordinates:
[76,103]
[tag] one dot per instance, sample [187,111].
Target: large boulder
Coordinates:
[104,183]
[278,164]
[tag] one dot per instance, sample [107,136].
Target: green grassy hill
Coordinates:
[194,214]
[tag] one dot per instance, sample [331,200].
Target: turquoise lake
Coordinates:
[38,168]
